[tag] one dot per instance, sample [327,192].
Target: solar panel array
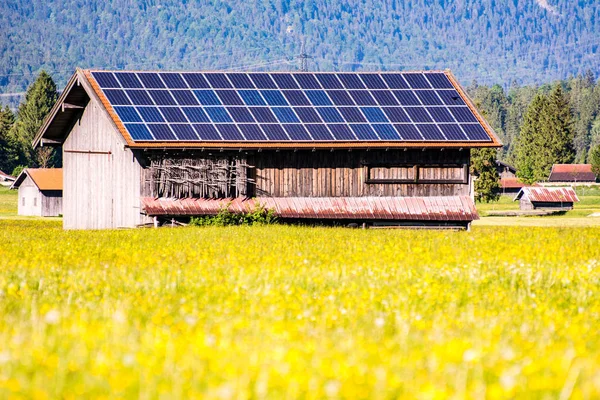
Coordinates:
[283,107]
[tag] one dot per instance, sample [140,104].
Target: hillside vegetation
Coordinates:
[530,41]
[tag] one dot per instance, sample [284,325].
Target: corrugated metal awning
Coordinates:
[456,208]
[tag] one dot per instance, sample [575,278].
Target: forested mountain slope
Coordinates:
[493,41]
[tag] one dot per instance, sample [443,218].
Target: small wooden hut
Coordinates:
[376,148]
[40,192]
[546,198]
[5,179]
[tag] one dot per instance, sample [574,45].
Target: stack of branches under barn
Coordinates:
[206,177]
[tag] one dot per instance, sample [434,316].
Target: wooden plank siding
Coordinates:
[101,176]
[52,203]
[30,199]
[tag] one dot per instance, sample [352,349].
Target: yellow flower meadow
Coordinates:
[288,312]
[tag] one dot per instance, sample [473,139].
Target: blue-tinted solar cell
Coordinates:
[329,81]
[462,114]
[330,114]
[352,114]
[430,132]
[207,132]
[240,114]
[373,81]
[230,132]
[218,81]
[128,80]
[439,81]
[429,98]
[285,114]
[252,97]
[406,98]
[207,97]
[408,132]
[384,98]
[184,132]
[341,132]
[218,114]
[307,114]
[263,114]
[351,81]
[364,132]
[394,81]
[252,132]
[185,97]
[140,97]
[362,97]
[173,80]
[418,114]
[162,132]
[451,97]
[417,81]
[274,98]
[117,97]
[139,132]
[297,132]
[127,114]
[263,81]
[285,81]
[440,114]
[162,98]
[307,81]
[106,80]
[340,97]
[274,132]
[173,114]
[150,114]
[396,114]
[319,132]
[240,81]
[229,97]
[475,132]
[318,97]
[195,114]
[151,80]
[374,114]
[296,97]
[452,132]
[386,132]
[196,81]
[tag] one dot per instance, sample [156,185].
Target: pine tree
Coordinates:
[528,142]
[7,119]
[39,99]
[557,128]
[483,165]
[595,160]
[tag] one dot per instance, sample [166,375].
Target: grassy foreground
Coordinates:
[288,312]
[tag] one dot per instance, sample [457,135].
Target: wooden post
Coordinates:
[155,220]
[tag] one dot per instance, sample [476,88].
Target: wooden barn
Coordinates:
[375,148]
[5,179]
[505,170]
[546,198]
[40,192]
[572,174]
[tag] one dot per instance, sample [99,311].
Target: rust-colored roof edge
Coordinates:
[108,107]
[429,71]
[463,94]
[309,145]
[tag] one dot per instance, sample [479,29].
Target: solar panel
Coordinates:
[240,106]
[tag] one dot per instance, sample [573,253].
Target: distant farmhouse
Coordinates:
[375,148]
[40,192]
[509,183]
[5,179]
[572,174]
[546,198]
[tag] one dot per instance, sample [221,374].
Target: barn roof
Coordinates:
[548,195]
[513,183]
[457,208]
[572,173]
[44,178]
[275,110]
[6,176]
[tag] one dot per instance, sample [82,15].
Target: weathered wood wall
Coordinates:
[30,198]
[52,203]
[101,177]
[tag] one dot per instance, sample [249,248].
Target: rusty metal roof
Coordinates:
[572,173]
[457,208]
[513,183]
[44,178]
[548,195]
